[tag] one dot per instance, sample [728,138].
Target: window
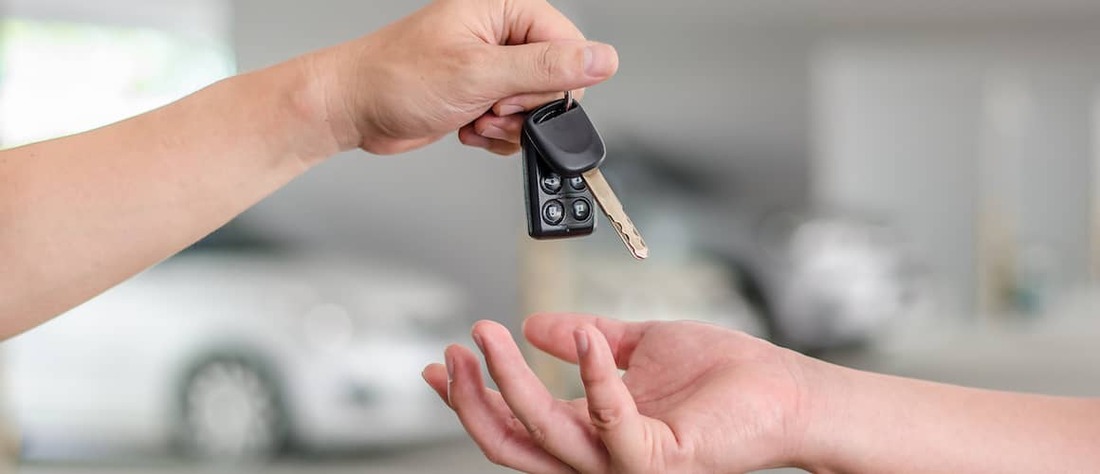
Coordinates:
[63,77]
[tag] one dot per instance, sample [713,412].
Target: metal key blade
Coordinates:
[614,211]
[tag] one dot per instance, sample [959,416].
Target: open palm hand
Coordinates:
[694,398]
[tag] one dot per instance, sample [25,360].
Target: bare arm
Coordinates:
[80,214]
[880,423]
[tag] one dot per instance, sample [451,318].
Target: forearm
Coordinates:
[890,424]
[83,213]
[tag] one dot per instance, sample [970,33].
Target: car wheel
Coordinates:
[231,409]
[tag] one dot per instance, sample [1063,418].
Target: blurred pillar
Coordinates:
[1005,112]
[545,286]
[996,263]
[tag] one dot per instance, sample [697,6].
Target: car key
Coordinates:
[564,138]
[557,206]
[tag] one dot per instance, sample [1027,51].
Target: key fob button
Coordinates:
[577,183]
[553,213]
[551,183]
[582,209]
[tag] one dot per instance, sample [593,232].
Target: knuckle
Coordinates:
[606,418]
[469,138]
[515,426]
[538,434]
[492,456]
[496,451]
[549,62]
[480,126]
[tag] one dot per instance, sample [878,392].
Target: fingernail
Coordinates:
[599,60]
[480,345]
[582,342]
[450,368]
[492,131]
[511,109]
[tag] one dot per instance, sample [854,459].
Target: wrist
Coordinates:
[824,415]
[330,91]
[305,109]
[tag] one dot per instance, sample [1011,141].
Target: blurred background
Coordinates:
[906,187]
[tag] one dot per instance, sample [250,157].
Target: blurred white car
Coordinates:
[237,354]
[816,280]
[831,281]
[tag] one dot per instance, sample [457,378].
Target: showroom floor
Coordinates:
[459,457]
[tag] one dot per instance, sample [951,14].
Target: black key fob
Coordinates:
[559,204]
[566,139]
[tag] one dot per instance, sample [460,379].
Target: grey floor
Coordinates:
[458,456]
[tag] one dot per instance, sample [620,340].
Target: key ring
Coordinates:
[568,100]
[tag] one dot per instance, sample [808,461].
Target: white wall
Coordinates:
[905,128]
[726,96]
[205,18]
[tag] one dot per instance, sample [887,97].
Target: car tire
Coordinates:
[231,409]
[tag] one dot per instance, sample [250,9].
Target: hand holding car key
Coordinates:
[562,152]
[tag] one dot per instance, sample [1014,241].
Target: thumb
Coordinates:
[552,66]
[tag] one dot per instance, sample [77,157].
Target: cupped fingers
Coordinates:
[488,420]
[520,104]
[504,122]
[553,424]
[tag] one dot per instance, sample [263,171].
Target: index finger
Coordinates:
[553,333]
